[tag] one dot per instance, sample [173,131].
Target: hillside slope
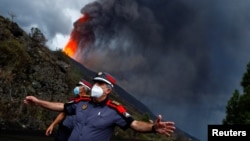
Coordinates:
[28,67]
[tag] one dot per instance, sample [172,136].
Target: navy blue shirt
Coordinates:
[95,122]
[69,121]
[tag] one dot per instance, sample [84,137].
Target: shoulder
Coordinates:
[114,104]
[78,99]
[118,107]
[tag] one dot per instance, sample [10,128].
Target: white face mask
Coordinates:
[96,91]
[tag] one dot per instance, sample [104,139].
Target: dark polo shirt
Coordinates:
[95,121]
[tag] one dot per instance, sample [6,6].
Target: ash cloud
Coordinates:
[182,59]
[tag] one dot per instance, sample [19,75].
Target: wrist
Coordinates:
[153,129]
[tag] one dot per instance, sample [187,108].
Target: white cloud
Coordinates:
[54,18]
[58,42]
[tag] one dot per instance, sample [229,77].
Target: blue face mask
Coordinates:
[76,90]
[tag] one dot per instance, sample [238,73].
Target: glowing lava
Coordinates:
[71,47]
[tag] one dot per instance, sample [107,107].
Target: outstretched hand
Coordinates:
[162,127]
[30,100]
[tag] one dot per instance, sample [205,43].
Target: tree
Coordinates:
[37,36]
[12,16]
[238,109]
[245,83]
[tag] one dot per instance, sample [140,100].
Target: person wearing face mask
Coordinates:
[96,117]
[66,123]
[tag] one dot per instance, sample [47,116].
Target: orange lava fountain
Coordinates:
[71,46]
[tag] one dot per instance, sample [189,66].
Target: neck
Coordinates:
[100,99]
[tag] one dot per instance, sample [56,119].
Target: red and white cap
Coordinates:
[84,83]
[105,77]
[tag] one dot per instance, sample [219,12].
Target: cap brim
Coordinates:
[82,84]
[103,80]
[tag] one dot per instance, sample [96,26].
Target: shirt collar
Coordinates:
[103,103]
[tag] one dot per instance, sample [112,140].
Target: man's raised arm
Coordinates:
[54,106]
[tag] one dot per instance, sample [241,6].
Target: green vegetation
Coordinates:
[37,36]
[238,109]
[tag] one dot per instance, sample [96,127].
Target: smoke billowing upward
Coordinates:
[182,59]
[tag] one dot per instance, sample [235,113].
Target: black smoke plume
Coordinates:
[182,59]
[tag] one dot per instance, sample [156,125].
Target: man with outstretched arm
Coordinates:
[67,122]
[97,115]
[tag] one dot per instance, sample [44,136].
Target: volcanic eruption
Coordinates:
[81,35]
[177,54]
